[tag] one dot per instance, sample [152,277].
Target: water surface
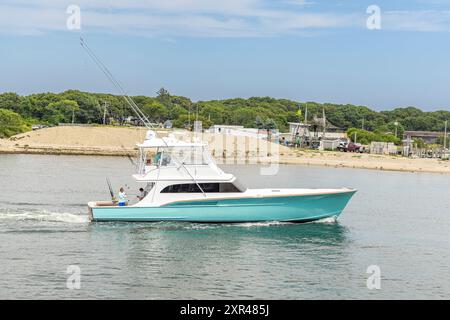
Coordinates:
[398,221]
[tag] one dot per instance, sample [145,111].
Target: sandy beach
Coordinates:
[121,141]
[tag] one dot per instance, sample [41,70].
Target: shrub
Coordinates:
[11,123]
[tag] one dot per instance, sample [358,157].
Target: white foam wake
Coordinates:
[259,224]
[43,215]
[332,219]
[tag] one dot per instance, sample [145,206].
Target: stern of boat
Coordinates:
[96,204]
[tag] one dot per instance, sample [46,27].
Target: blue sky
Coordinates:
[306,50]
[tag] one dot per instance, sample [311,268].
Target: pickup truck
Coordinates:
[350,147]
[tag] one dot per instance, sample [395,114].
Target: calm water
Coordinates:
[398,221]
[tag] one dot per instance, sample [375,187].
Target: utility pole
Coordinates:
[324,122]
[396,125]
[445,135]
[306,114]
[362,127]
[189,116]
[104,114]
[73,116]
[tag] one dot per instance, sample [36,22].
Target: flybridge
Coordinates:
[172,155]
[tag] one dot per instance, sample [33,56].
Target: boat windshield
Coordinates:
[186,156]
[175,157]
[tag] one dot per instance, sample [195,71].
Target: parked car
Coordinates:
[350,147]
[342,146]
[355,147]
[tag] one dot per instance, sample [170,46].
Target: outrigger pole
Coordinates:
[128,99]
[116,84]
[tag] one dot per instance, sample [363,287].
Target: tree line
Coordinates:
[86,107]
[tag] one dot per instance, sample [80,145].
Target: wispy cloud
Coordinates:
[222,18]
[420,21]
[203,18]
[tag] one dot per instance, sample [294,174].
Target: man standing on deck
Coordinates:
[122,197]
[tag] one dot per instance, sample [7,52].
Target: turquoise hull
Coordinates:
[283,208]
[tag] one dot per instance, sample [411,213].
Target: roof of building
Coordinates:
[316,122]
[430,134]
[227,126]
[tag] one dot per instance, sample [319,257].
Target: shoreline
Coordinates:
[68,151]
[121,141]
[291,159]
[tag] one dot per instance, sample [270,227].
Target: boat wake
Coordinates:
[260,224]
[43,216]
[327,220]
[330,220]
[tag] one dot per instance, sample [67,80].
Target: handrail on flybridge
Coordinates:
[127,98]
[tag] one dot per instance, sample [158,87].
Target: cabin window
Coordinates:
[207,188]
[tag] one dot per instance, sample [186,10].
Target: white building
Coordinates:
[383,148]
[331,133]
[239,131]
[225,129]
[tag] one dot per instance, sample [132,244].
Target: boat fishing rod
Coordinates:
[128,99]
[142,117]
[116,84]
[111,192]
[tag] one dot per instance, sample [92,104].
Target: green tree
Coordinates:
[61,111]
[213,111]
[391,128]
[176,111]
[366,137]
[155,111]
[182,121]
[163,96]
[237,111]
[10,101]
[11,123]
[90,110]
[259,124]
